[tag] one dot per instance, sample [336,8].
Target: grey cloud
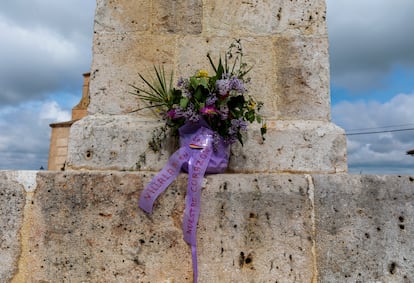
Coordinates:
[367,39]
[24,140]
[64,17]
[381,152]
[46,46]
[383,145]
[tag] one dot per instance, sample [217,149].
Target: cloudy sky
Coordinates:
[372,81]
[46,47]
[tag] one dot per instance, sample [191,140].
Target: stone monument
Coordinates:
[278,215]
[287,43]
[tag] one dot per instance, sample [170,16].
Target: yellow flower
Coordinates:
[252,104]
[202,74]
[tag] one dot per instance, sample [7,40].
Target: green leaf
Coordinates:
[236,102]
[203,82]
[184,102]
[211,62]
[220,70]
[263,131]
[250,116]
[198,95]
[240,138]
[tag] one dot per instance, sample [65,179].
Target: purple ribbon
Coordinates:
[197,156]
[163,179]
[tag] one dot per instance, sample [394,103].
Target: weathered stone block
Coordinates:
[12,203]
[292,146]
[160,16]
[115,143]
[122,16]
[116,63]
[302,78]
[365,228]
[247,18]
[88,228]
[180,17]
[256,228]
[98,142]
[291,74]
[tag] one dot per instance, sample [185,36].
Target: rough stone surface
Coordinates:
[285,41]
[295,147]
[230,17]
[365,228]
[98,142]
[88,228]
[122,16]
[117,60]
[290,74]
[302,78]
[12,201]
[211,17]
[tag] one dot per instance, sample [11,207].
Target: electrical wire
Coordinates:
[379,132]
[381,127]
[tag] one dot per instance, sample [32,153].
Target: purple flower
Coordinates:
[190,114]
[209,110]
[211,99]
[237,85]
[180,82]
[194,118]
[223,87]
[187,93]
[171,113]
[237,125]
[175,113]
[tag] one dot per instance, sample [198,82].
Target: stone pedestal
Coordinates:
[86,227]
[121,142]
[287,43]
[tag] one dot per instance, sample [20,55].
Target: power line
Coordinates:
[379,132]
[380,127]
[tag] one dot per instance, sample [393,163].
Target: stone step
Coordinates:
[86,226]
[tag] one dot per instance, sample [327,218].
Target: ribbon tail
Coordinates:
[197,166]
[163,179]
[195,265]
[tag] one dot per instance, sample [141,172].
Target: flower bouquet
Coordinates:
[208,113]
[220,102]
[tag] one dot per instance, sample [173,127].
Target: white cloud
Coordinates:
[384,152]
[25,139]
[53,112]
